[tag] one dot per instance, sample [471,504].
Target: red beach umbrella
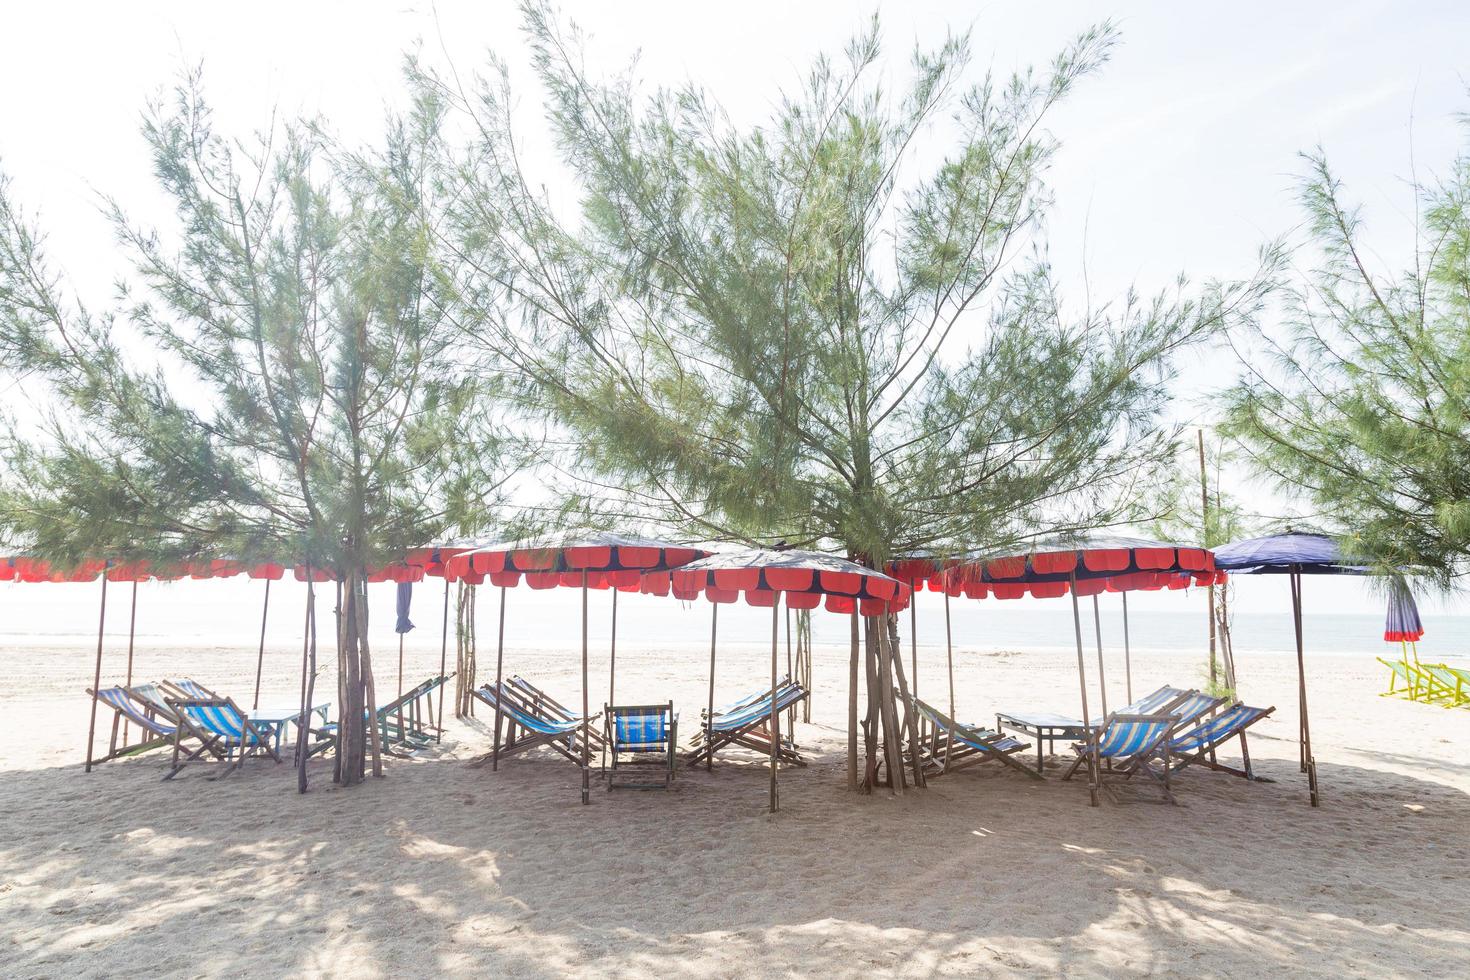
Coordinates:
[598,560]
[806,579]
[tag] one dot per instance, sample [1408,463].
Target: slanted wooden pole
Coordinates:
[443,659]
[775,714]
[132,624]
[1127,651]
[586,725]
[260,655]
[97,674]
[1092,761]
[1102,677]
[499,692]
[714,623]
[1309,763]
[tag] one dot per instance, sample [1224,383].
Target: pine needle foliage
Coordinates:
[293,391]
[825,328]
[1363,409]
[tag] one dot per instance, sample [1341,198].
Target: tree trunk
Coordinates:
[369,689]
[909,714]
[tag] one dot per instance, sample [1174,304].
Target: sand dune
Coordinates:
[440,868]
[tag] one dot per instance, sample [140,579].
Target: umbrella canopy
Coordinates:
[606,560]
[1403,624]
[1049,567]
[805,577]
[1303,552]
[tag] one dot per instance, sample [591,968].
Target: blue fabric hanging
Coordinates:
[405,596]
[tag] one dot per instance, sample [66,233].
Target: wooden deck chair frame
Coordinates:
[1125,768]
[941,752]
[255,740]
[565,743]
[143,715]
[755,734]
[1205,754]
[545,706]
[637,763]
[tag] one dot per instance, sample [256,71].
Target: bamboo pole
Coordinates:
[443,659]
[499,662]
[790,669]
[308,687]
[132,624]
[1082,682]
[949,662]
[1127,651]
[914,636]
[260,655]
[612,660]
[775,712]
[97,674]
[1309,763]
[714,622]
[852,708]
[586,727]
[1102,677]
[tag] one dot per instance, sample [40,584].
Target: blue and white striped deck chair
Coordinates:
[945,744]
[560,734]
[1149,704]
[749,725]
[190,689]
[639,739]
[1126,742]
[223,730]
[1199,743]
[125,708]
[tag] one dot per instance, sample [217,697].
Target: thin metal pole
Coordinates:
[586,773]
[1127,650]
[775,715]
[132,623]
[260,656]
[499,661]
[1102,677]
[1082,681]
[97,675]
[443,659]
[612,660]
[949,662]
[1309,764]
[714,625]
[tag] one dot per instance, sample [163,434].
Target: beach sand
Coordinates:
[440,868]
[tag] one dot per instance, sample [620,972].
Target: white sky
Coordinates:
[1179,156]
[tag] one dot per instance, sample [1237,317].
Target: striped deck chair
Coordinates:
[738,705]
[1126,743]
[1416,683]
[1452,686]
[639,739]
[223,730]
[1199,743]
[537,727]
[942,740]
[156,698]
[154,731]
[543,704]
[189,688]
[749,726]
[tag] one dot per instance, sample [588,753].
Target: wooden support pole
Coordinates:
[97,674]
[1102,677]
[852,707]
[586,724]
[132,627]
[499,664]
[775,713]
[714,623]
[1092,763]
[443,659]
[914,638]
[1309,763]
[612,659]
[1127,651]
[260,654]
[949,662]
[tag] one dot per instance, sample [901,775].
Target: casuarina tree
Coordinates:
[276,379]
[837,328]
[1360,403]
